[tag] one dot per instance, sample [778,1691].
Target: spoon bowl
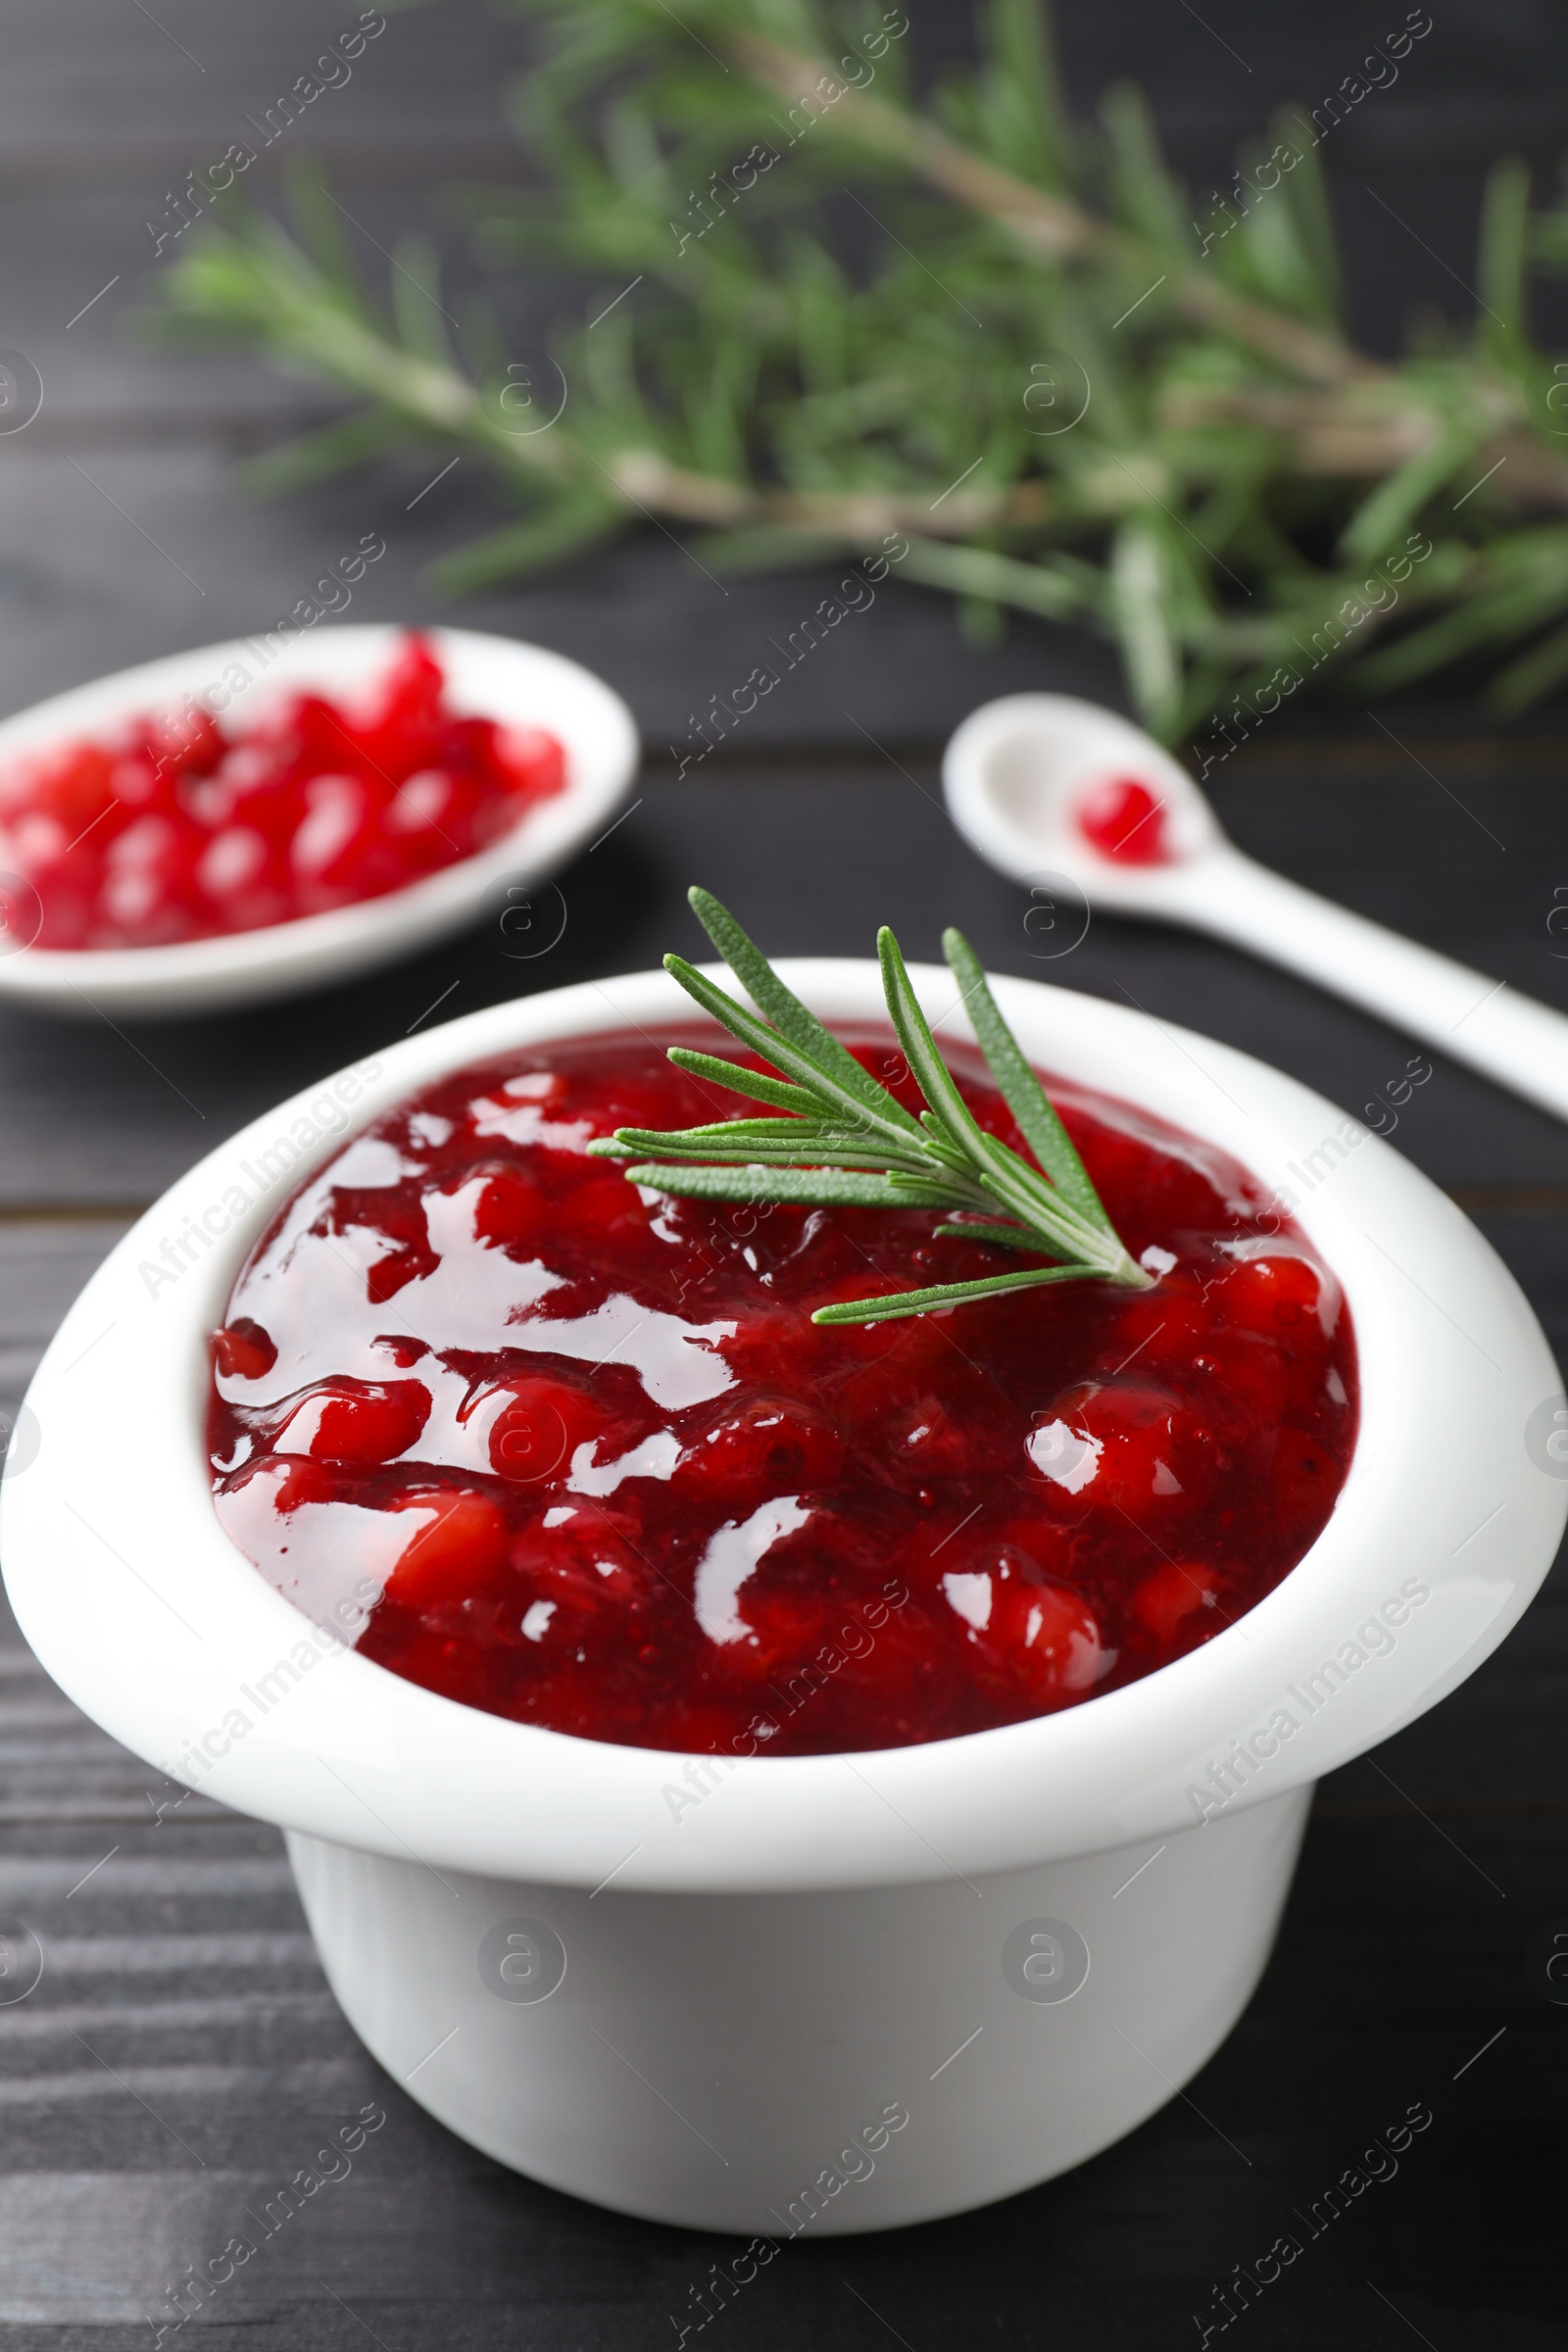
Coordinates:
[1019,771]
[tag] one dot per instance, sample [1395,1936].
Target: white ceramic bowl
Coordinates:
[716,2012]
[495,677]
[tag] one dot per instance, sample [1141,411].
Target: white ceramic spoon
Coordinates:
[1017,770]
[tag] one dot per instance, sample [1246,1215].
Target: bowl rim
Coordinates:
[159,1628]
[1062,742]
[595,726]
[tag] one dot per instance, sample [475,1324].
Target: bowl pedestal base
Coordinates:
[809,2063]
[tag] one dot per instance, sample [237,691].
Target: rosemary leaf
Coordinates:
[800,1187]
[742,1081]
[930,1072]
[1043,1131]
[759,1155]
[1006,1237]
[947,1294]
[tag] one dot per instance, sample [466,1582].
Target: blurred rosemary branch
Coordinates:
[847,314]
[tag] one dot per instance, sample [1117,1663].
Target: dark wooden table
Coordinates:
[181,2057]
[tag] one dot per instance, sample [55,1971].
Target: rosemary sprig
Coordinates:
[1235,507]
[842,1139]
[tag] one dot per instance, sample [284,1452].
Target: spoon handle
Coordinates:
[1509,1037]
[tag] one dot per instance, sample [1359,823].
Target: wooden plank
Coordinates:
[105,86]
[43,1264]
[117,82]
[108,1113]
[84,592]
[230,2070]
[85,290]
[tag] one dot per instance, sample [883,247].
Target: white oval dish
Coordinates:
[496,677]
[761,1955]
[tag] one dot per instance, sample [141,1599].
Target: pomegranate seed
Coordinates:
[179,830]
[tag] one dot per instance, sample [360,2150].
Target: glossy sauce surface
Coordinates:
[176,829]
[584,1454]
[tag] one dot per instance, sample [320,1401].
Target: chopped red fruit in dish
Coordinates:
[602,1473]
[177,829]
[1125,821]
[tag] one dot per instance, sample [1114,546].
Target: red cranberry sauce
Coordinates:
[593,1466]
[178,830]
